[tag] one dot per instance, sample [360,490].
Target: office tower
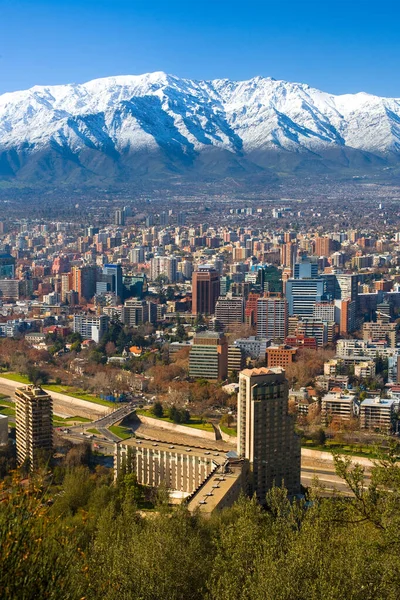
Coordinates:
[305,270]
[205,290]
[90,327]
[119,217]
[136,255]
[208,358]
[34,425]
[303,294]
[163,219]
[229,310]
[135,312]
[84,282]
[7,266]
[324,311]
[181,218]
[266,435]
[110,280]
[347,286]
[225,285]
[345,315]
[272,317]
[149,221]
[251,309]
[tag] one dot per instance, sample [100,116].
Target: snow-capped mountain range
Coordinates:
[155,124]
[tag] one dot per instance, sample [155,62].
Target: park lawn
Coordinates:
[195,422]
[123,432]
[228,430]
[93,430]
[353,450]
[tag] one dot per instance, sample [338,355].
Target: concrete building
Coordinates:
[280,355]
[34,425]
[266,435]
[365,369]
[90,327]
[208,358]
[164,265]
[135,312]
[9,289]
[337,406]
[252,346]
[228,311]
[205,290]
[377,413]
[272,317]
[303,294]
[206,479]
[236,359]
[377,332]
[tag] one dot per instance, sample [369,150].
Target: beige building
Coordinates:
[207,479]
[34,424]
[266,435]
[377,413]
[337,406]
[208,358]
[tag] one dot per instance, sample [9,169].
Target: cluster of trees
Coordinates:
[177,415]
[89,539]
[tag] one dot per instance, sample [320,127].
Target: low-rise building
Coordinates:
[337,406]
[377,413]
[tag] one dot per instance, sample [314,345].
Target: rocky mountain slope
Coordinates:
[158,126]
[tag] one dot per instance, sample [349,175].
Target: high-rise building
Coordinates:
[119,217]
[34,425]
[289,254]
[7,266]
[110,280]
[208,357]
[272,317]
[205,290]
[136,255]
[229,310]
[303,294]
[135,312]
[347,286]
[305,270]
[84,281]
[266,435]
[163,265]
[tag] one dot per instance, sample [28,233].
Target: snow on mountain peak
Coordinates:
[180,117]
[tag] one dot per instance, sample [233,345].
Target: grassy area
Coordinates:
[93,430]
[9,412]
[195,422]
[61,389]
[77,393]
[351,450]
[16,377]
[123,432]
[228,430]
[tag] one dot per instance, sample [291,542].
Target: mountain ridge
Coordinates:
[130,127]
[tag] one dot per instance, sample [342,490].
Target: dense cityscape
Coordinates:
[199,300]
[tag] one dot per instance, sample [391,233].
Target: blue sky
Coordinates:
[338,46]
